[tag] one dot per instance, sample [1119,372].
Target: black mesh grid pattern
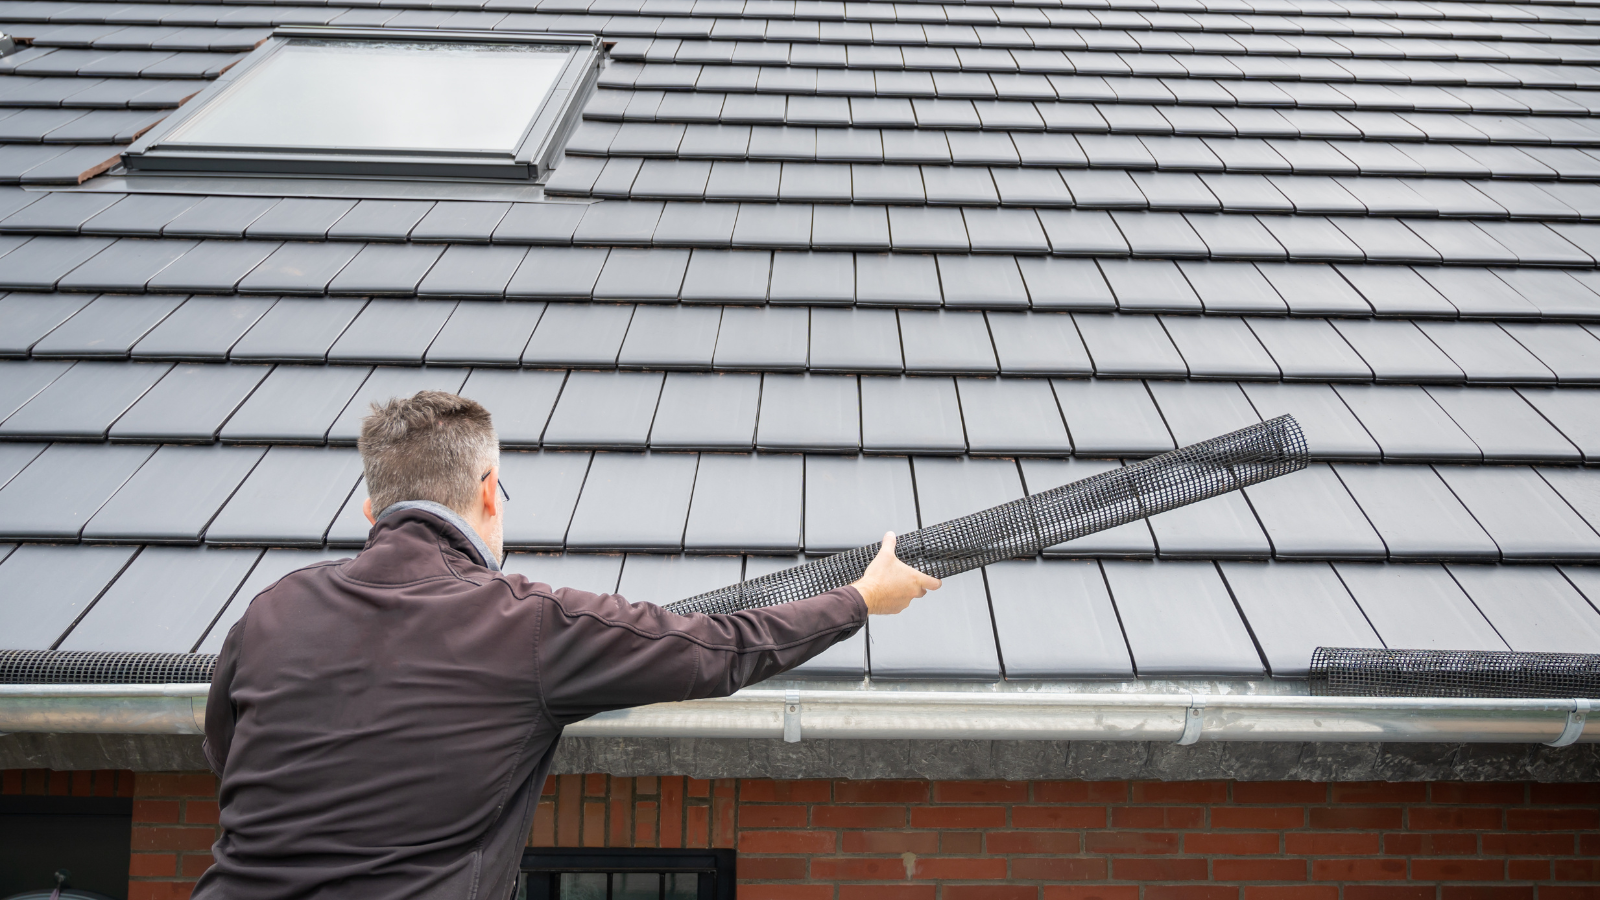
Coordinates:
[1027,526]
[93,667]
[1357,672]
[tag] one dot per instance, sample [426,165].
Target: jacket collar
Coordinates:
[465,537]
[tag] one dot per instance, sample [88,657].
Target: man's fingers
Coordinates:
[888,544]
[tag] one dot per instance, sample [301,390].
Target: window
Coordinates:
[87,837]
[568,873]
[331,101]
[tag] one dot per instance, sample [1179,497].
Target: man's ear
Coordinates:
[366,509]
[489,493]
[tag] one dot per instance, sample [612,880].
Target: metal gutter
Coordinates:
[867,714]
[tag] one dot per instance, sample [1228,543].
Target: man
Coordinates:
[383,725]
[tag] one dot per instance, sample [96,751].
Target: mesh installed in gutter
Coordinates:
[949,715]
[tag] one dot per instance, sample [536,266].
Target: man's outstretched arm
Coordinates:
[600,652]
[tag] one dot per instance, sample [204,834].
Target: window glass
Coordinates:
[379,95]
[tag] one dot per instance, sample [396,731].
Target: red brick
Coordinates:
[969,869]
[1223,844]
[1443,844]
[1047,868]
[880,791]
[544,825]
[177,838]
[1528,844]
[1577,870]
[724,822]
[1159,869]
[961,842]
[887,891]
[859,869]
[82,784]
[1358,870]
[11,781]
[1552,819]
[1058,816]
[644,823]
[1447,818]
[60,784]
[1258,869]
[174,784]
[1355,816]
[1565,794]
[201,812]
[160,890]
[594,824]
[1389,892]
[196,864]
[1132,842]
[1589,844]
[980,791]
[1090,892]
[1379,792]
[988,892]
[1080,791]
[772,868]
[1158,816]
[785,892]
[152,865]
[156,812]
[1291,892]
[1326,843]
[790,815]
[762,790]
[1528,869]
[786,842]
[670,831]
[1458,869]
[697,826]
[1033,842]
[858,816]
[1268,817]
[1190,892]
[891,842]
[1477,792]
[698,787]
[958,816]
[1568,892]
[594,785]
[1486,892]
[1279,792]
[645,784]
[1180,791]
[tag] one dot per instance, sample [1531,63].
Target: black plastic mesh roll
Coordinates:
[1027,526]
[1356,672]
[85,667]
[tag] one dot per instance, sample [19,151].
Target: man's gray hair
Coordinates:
[431,446]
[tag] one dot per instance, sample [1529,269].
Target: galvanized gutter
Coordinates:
[866,712]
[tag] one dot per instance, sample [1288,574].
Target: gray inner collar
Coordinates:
[486,558]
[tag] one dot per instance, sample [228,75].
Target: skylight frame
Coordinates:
[540,145]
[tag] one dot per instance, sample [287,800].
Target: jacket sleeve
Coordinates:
[221,716]
[598,652]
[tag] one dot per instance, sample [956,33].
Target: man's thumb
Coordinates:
[888,543]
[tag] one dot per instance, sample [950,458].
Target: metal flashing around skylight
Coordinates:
[363,102]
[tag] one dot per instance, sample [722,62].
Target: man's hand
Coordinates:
[890,585]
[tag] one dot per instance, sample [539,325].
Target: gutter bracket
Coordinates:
[1575,721]
[791,717]
[1193,721]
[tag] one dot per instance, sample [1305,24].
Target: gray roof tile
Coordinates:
[297,329]
[1055,619]
[484,333]
[1533,609]
[819,413]
[910,415]
[295,404]
[543,511]
[953,640]
[173,496]
[204,329]
[1204,635]
[25,318]
[384,384]
[746,502]
[1418,607]
[605,409]
[83,402]
[299,268]
[108,327]
[190,404]
[391,332]
[578,335]
[74,577]
[634,501]
[1295,608]
[706,411]
[290,498]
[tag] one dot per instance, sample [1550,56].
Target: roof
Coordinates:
[812,269]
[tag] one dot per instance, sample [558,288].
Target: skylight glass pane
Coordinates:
[372,95]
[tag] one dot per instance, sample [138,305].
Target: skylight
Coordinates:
[330,101]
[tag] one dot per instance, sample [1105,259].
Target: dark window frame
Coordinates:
[541,145]
[542,866]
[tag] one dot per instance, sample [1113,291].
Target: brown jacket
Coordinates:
[383,725]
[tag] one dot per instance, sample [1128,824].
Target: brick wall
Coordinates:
[174,820]
[964,840]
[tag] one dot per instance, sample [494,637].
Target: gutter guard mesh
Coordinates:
[94,667]
[1355,672]
[1027,526]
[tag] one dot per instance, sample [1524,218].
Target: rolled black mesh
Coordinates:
[85,667]
[1026,527]
[1356,672]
